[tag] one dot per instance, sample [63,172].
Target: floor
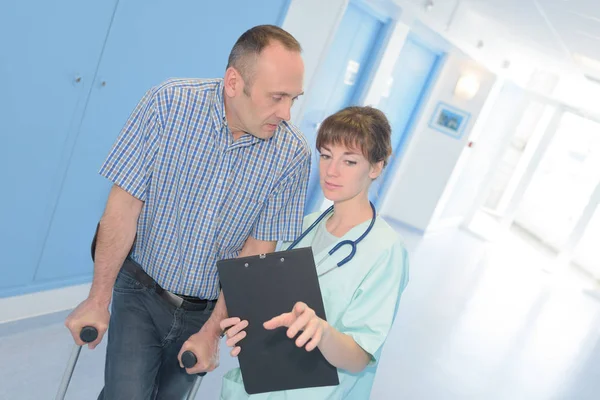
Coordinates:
[477,321]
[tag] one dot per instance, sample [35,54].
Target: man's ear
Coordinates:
[233,82]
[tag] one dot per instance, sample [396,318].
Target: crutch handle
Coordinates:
[188,359]
[88,334]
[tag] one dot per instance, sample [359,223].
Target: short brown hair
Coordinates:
[364,128]
[252,42]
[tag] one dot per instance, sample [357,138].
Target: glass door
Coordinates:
[563,182]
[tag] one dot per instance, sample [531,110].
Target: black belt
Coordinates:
[185,302]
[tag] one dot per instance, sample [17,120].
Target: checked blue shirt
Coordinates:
[204,193]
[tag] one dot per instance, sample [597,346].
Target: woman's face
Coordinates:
[345,173]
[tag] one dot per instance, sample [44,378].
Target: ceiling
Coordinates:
[562,32]
[563,29]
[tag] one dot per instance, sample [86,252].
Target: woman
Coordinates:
[360,297]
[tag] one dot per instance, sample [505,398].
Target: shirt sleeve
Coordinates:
[130,161]
[370,315]
[281,219]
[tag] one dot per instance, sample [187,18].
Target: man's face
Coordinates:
[276,82]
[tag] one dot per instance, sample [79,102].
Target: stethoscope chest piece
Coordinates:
[335,248]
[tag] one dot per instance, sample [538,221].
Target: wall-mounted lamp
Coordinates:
[467,86]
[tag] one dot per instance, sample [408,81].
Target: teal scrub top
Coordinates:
[360,299]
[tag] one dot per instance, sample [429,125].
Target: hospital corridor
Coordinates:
[493,182]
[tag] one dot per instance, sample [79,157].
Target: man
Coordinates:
[203,170]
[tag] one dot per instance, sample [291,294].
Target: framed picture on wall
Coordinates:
[449,120]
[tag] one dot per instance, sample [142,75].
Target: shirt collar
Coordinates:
[220,118]
[219,115]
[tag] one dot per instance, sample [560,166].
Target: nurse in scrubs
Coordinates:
[360,297]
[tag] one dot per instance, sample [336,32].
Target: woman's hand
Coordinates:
[301,318]
[235,332]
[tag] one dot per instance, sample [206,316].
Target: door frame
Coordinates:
[377,51]
[364,80]
[417,112]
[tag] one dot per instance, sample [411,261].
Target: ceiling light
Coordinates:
[587,62]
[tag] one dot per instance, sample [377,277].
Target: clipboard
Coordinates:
[258,288]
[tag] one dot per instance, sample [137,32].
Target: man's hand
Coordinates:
[205,346]
[205,343]
[301,318]
[115,237]
[88,313]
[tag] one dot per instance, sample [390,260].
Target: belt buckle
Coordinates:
[176,300]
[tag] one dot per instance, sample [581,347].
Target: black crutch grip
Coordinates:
[188,359]
[88,334]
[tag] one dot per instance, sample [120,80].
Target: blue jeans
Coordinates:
[145,336]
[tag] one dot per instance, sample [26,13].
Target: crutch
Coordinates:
[88,334]
[188,359]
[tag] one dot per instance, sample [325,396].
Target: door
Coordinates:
[587,251]
[416,69]
[563,183]
[50,52]
[340,79]
[148,43]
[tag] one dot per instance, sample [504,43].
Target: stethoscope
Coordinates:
[340,244]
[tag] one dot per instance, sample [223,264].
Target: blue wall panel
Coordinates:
[50,52]
[148,42]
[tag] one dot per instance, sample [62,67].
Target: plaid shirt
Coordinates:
[203,193]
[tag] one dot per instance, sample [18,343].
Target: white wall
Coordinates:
[491,136]
[431,156]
